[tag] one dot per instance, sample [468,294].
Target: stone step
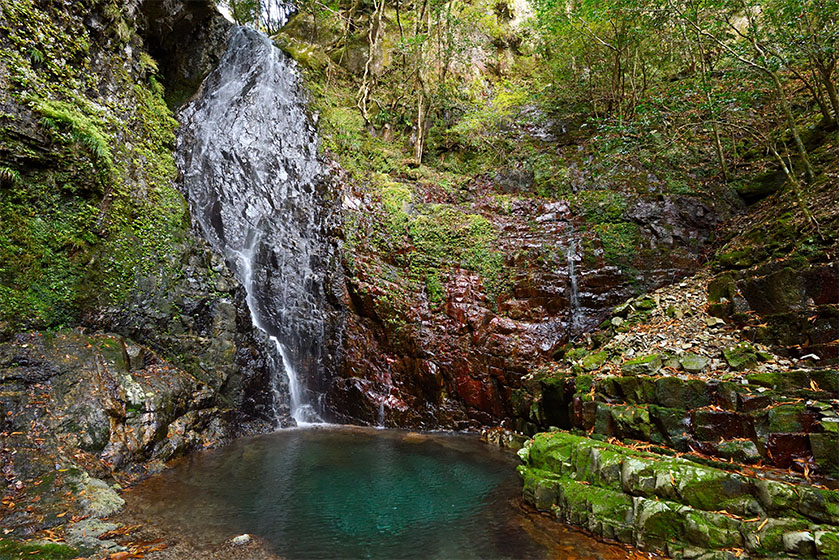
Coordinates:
[674,506]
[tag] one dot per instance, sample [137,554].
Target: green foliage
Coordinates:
[480,126]
[9,176]
[63,117]
[80,226]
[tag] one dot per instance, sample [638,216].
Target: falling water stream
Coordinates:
[574,293]
[251,172]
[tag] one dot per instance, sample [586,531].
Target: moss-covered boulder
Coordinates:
[694,363]
[740,357]
[643,365]
[595,360]
[672,505]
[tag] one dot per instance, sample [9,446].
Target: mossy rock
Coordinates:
[722,287]
[631,422]
[594,361]
[787,418]
[740,258]
[669,424]
[739,450]
[741,356]
[827,547]
[685,394]
[633,390]
[643,365]
[645,304]
[694,363]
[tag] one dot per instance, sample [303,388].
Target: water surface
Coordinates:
[342,493]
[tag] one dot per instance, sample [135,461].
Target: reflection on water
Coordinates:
[343,493]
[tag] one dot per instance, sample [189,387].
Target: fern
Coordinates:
[9,176]
[57,115]
[36,56]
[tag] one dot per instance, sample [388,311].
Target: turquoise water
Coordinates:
[353,493]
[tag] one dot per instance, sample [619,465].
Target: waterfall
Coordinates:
[574,294]
[247,153]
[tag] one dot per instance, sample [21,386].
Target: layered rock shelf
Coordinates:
[675,506]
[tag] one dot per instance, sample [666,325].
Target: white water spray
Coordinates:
[248,155]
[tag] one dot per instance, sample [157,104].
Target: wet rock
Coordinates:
[786,448]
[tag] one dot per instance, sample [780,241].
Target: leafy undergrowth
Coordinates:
[87,203]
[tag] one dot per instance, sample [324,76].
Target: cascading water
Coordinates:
[247,152]
[574,293]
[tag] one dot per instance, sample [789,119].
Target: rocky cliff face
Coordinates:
[451,354]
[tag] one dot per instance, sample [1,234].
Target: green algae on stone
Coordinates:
[595,360]
[643,365]
[741,356]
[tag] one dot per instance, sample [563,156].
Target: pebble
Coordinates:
[241,539]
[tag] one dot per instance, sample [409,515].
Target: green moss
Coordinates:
[642,365]
[595,360]
[741,356]
[620,242]
[10,550]
[827,545]
[602,206]
[81,226]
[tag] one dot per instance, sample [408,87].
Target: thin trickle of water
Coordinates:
[248,156]
[574,294]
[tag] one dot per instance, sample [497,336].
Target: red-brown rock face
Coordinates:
[415,362]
